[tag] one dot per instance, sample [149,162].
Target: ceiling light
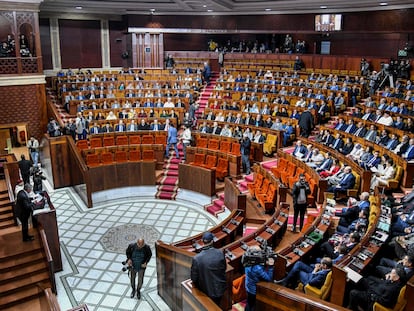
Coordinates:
[323,7]
[78,7]
[204,6]
[268,9]
[152,10]
[209,10]
[383,3]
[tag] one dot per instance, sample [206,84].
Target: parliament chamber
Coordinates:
[114,181]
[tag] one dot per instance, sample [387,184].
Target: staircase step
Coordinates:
[20,260]
[171,173]
[167,188]
[18,284]
[22,272]
[218,202]
[6,217]
[6,209]
[7,224]
[20,296]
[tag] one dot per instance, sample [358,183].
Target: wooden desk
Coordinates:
[197,179]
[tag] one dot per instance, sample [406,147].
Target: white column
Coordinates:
[55,43]
[105,45]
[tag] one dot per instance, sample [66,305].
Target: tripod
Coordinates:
[388,77]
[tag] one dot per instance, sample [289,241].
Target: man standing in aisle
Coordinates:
[245,154]
[33,146]
[300,193]
[208,270]
[138,255]
[172,140]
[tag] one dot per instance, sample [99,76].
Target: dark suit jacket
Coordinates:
[24,205]
[348,183]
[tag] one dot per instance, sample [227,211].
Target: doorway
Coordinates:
[13,139]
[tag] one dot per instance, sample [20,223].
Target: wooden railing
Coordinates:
[49,259]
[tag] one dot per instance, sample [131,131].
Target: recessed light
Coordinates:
[383,3]
[204,6]
[268,9]
[78,8]
[152,10]
[323,7]
[209,10]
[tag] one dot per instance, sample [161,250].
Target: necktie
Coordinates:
[348,129]
[408,151]
[390,144]
[336,143]
[358,131]
[371,162]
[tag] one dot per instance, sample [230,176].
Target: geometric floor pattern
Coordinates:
[92,273]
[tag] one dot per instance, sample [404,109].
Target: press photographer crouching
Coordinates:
[138,255]
[258,267]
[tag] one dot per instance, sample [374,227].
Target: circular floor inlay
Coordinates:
[117,239]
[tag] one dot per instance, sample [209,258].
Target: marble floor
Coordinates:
[93,243]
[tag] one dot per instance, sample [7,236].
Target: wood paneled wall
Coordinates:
[366,34]
[80,43]
[24,104]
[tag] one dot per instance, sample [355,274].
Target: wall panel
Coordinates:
[80,43]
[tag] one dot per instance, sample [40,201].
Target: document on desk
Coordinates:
[353,275]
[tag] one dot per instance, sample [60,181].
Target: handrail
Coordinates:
[51,300]
[49,258]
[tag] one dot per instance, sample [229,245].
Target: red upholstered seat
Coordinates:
[134,155]
[96,142]
[147,139]
[121,156]
[148,155]
[108,141]
[134,140]
[121,140]
[82,144]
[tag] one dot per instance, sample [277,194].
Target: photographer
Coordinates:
[37,179]
[300,192]
[255,273]
[138,255]
[364,67]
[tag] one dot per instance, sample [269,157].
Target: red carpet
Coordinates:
[168,184]
[269,164]
[217,206]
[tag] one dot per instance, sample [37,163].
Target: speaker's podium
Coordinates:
[46,218]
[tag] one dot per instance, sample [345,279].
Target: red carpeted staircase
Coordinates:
[205,94]
[217,206]
[168,183]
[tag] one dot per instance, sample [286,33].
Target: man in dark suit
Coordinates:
[347,182]
[216,130]
[95,129]
[360,130]
[143,126]
[24,166]
[208,270]
[204,128]
[392,143]
[120,127]
[338,143]
[373,162]
[107,128]
[314,275]
[306,123]
[245,153]
[372,289]
[24,208]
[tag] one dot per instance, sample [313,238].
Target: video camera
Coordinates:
[254,257]
[125,267]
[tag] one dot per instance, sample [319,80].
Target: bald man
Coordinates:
[138,255]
